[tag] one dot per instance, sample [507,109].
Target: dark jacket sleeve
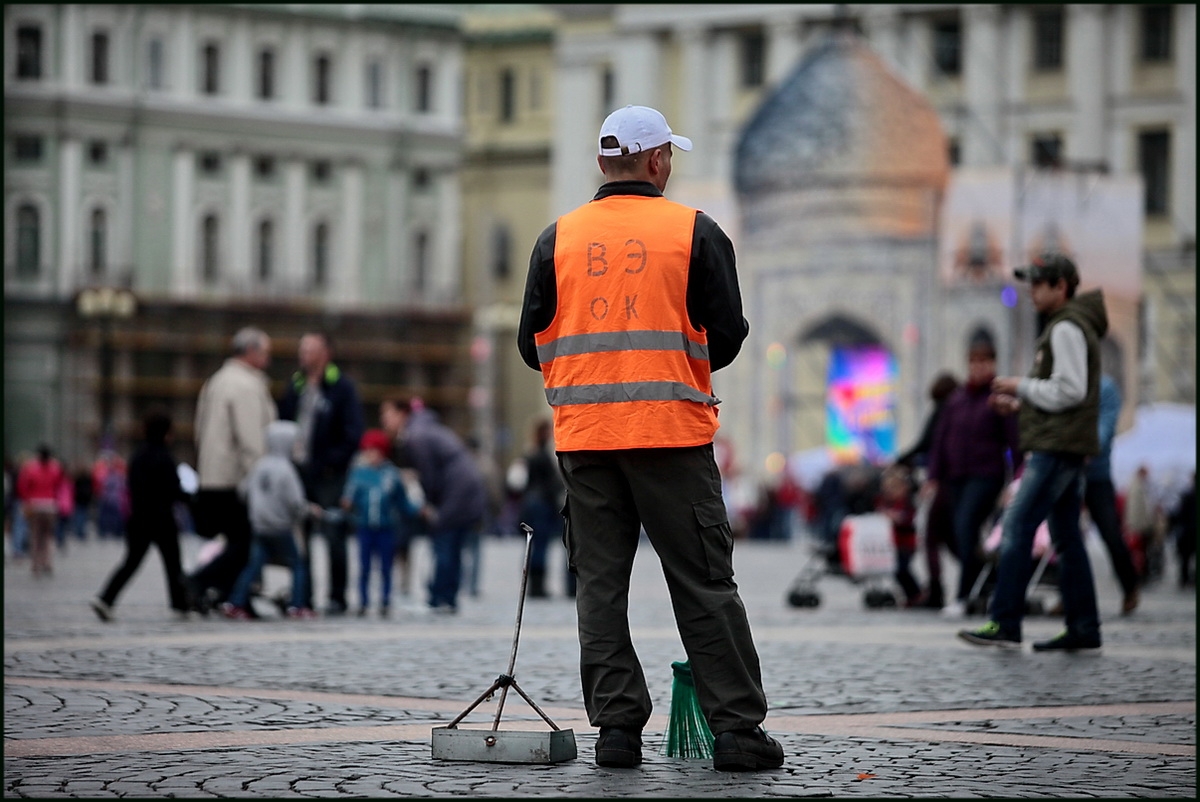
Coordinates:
[349,415]
[289,402]
[714,300]
[924,445]
[541,296]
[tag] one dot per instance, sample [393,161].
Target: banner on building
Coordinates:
[861,404]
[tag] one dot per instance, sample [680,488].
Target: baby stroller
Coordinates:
[1043,553]
[867,556]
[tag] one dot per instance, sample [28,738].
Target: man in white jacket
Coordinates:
[232,414]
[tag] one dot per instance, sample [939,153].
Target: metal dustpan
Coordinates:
[505,746]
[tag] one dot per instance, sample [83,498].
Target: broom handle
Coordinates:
[512,658]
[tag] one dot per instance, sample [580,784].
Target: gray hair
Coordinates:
[249,339]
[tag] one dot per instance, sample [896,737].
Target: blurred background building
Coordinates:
[425,147]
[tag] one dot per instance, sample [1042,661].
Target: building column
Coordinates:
[721,103]
[291,73]
[70,170]
[1015,74]
[916,57]
[783,47]
[1085,63]
[293,276]
[638,70]
[349,272]
[183,82]
[1183,191]
[183,254]
[123,226]
[447,242]
[397,231]
[981,144]
[694,125]
[241,83]
[240,224]
[447,100]
[70,46]
[573,157]
[883,32]
[350,74]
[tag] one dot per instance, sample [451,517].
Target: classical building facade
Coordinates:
[424,147]
[509,111]
[294,167]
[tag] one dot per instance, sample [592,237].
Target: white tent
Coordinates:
[1163,438]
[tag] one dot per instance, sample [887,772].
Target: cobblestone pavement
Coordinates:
[867,703]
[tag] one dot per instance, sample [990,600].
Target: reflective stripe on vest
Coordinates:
[621,341]
[622,365]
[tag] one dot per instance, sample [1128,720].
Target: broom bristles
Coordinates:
[688,735]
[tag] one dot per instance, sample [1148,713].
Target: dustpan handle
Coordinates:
[512,658]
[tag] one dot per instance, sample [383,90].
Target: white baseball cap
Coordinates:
[638,128]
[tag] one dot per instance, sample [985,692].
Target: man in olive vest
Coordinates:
[1059,411]
[630,303]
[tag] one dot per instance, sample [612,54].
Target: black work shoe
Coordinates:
[618,749]
[746,750]
[1068,642]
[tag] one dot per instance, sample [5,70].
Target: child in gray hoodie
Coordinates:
[275,498]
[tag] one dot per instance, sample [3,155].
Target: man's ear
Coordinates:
[654,161]
[600,163]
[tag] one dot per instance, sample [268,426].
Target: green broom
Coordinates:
[688,735]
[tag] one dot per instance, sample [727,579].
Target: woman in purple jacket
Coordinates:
[974,454]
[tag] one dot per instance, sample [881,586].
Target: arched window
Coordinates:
[29,241]
[320,254]
[98,243]
[209,230]
[266,249]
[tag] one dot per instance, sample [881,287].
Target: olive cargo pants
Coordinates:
[675,493]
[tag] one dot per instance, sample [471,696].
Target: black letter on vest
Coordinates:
[630,307]
[603,310]
[599,257]
[636,256]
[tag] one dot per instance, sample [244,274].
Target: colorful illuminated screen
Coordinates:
[861,404]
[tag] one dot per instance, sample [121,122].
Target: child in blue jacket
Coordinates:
[375,496]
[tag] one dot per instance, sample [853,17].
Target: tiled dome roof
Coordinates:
[841,117]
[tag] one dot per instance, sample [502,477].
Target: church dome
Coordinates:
[841,118]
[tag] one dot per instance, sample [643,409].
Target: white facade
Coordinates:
[237,150]
[211,158]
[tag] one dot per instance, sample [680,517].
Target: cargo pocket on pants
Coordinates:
[568,539]
[712,520]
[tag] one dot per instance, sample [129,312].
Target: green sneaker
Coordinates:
[990,634]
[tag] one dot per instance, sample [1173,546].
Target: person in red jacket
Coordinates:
[38,486]
[897,503]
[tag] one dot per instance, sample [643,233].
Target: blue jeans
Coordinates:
[264,546]
[1051,490]
[447,572]
[379,544]
[973,499]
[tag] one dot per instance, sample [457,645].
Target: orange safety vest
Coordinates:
[622,364]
